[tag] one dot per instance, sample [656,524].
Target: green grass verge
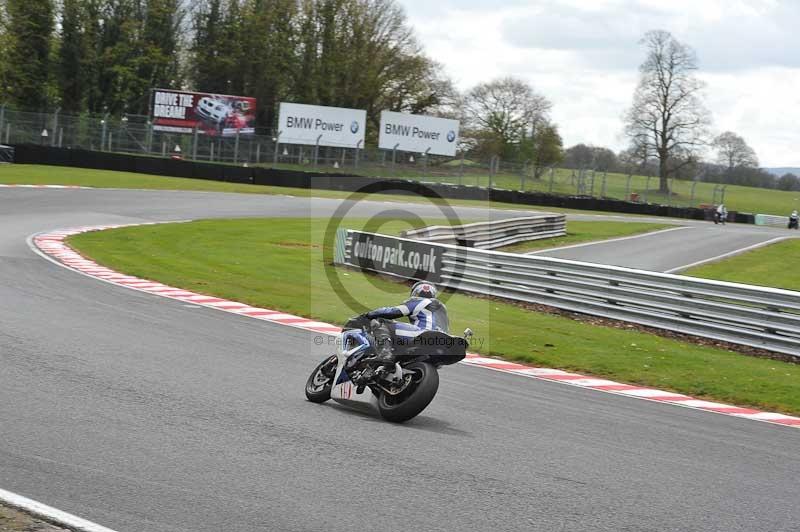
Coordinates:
[581,232]
[277,263]
[31,174]
[773,265]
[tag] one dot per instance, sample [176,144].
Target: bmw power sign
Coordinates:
[418,133]
[329,126]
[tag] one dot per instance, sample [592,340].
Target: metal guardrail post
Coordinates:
[523,175]
[276,139]
[603,185]
[628,187]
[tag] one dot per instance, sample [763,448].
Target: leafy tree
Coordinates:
[733,151]
[788,182]
[4,49]
[158,62]
[502,113]
[217,48]
[71,57]
[29,32]
[667,120]
[547,148]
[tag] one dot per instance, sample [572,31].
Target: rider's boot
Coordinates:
[383,339]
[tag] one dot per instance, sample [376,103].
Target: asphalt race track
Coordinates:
[145,414]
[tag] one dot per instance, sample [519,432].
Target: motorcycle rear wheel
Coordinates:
[414,399]
[319,385]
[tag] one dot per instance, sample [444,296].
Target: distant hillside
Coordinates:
[784,170]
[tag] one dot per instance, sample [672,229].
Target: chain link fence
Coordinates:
[134,134]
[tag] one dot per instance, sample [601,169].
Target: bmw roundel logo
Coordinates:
[451,136]
[354,127]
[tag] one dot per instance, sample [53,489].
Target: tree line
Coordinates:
[104,56]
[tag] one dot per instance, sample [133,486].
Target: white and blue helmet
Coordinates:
[424,289]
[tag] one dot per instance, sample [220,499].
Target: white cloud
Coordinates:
[584,56]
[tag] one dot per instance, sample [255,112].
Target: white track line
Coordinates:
[729,254]
[618,239]
[48,513]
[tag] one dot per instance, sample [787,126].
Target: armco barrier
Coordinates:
[495,233]
[35,154]
[766,318]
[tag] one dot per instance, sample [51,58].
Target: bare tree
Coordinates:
[733,151]
[505,111]
[667,120]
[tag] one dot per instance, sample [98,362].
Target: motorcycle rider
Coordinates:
[793,220]
[424,311]
[721,214]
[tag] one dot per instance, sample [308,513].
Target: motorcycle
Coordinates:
[353,376]
[793,222]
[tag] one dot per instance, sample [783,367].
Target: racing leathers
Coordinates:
[424,314]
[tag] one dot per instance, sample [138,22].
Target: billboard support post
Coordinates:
[277,141]
[194,144]
[394,157]
[211,150]
[60,137]
[163,148]
[236,148]
[316,150]
[358,153]
[425,160]
[258,153]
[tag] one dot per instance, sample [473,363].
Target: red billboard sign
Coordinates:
[212,114]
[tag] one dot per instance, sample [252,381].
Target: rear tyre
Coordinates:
[320,383]
[415,398]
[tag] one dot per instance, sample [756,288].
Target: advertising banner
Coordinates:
[410,259]
[212,114]
[333,126]
[418,133]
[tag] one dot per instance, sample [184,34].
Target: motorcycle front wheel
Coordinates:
[320,383]
[414,398]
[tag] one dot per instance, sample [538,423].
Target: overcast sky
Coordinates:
[584,56]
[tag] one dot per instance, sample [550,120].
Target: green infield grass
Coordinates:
[582,232]
[772,265]
[278,263]
[31,174]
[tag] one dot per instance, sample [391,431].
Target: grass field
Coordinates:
[30,174]
[277,263]
[745,199]
[737,198]
[773,265]
[580,232]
